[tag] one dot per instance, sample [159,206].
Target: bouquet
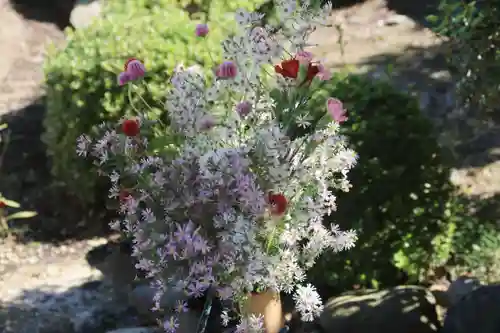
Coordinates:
[235,203]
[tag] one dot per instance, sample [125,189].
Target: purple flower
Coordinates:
[196,289]
[184,232]
[207,123]
[201,30]
[124,78]
[171,325]
[135,69]
[244,108]
[227,70]
[200,245]
[181,306]
[172,250]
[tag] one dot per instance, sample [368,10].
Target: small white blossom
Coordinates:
[308,302]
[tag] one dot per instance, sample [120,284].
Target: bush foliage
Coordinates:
[471,31]
[81,79]
[399,199]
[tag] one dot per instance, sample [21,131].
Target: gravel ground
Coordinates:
[15,254]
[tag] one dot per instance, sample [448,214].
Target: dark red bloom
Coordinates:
[278,203]
[288,68]
[312,71]
[124,195]
[2,204]
[130,127]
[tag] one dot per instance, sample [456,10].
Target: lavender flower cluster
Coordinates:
[238,204]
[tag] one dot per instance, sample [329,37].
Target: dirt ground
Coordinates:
[373,34]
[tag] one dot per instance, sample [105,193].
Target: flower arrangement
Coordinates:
[236,203]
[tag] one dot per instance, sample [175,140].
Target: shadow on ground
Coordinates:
[416,10]
[50,11]
[80,309]
[424,72]
[26,178]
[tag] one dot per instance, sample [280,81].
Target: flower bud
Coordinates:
[135,69]
[227,70]
[201,30]
[131,127]
[243,108]
[123,78]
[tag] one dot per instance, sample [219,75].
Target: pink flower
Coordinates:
[336,110]
[227,70]
[323,74]
[135,69]
[304,57]
[123,78]
[244,108]
[201,30]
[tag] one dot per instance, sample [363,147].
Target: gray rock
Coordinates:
[188,323]
[476,312]
[405,309]
[461,287]
[116,266]
[134,330]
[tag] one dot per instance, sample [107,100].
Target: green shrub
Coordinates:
[81,79]
[475,240]
[399,199]
[473,41]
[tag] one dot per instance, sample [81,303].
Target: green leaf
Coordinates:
[21,215]
[11,203]
[432,18]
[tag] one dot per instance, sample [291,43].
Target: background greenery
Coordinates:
[470,29]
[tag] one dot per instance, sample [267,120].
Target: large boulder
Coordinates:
[404,309]
[478,312]
[461,287]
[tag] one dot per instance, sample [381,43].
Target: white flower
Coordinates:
[345,240]
[251,324]
[225,318]
[83,144]
[308,302]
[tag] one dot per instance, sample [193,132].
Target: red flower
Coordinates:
[278,203]
[2,204]
[288,68]
[130,127]
[124,195]
[312,71]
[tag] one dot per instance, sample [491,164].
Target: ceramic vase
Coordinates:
[267,304]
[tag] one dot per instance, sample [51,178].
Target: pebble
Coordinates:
[83,14]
